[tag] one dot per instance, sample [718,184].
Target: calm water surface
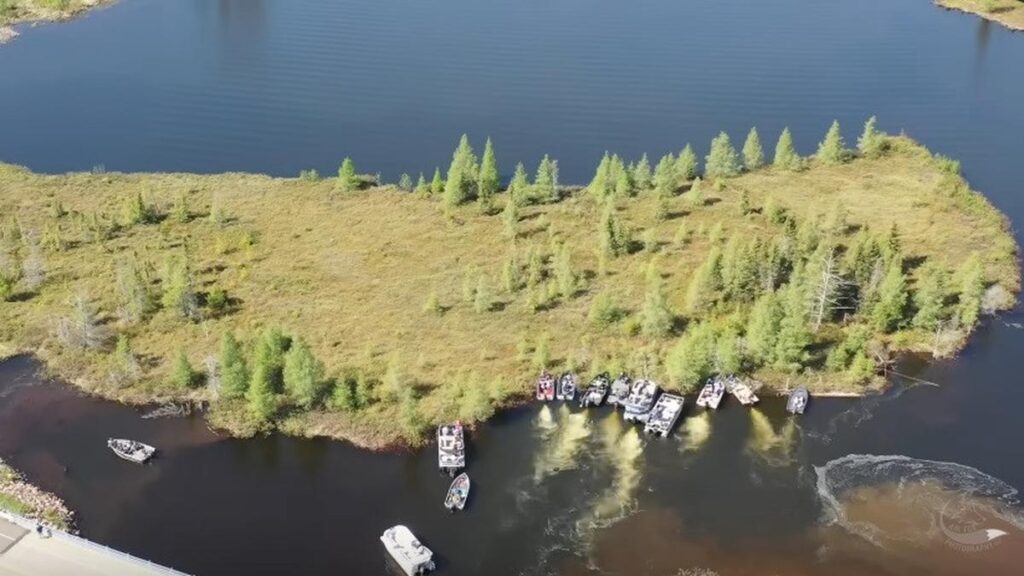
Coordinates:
[279,86]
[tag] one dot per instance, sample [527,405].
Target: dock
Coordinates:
[25,552]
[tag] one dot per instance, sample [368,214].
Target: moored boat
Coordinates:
[566,387]
[411,556]
[451,448]
[641,400]
[711,394]
[131,450]
[665,414]
[458,493]
[741,390]
[619,390]
[797,402]
[545,387]
[596,392]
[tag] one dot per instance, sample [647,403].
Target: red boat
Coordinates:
[545,387]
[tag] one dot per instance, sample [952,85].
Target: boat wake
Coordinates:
[696,431]
[896,501]
[768,446]
[862,410]
[564,441]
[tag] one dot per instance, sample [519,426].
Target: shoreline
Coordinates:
[25,499]
[42,16]
[1011,18]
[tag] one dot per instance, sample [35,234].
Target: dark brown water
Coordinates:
[282,85]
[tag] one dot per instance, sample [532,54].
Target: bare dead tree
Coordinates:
[82,328]
[33,267]
[826,296]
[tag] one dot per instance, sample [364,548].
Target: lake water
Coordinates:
[280,86]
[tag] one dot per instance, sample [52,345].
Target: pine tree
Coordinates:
[343,396]
[436,183]
[722,161]
[763,328]
[405,183]
[233,369]
[546,183]
[178,288]
[930,298]
[753,153]
[519,186]
[422,187]
[624,184]
[666,177]
[706,283]
[409,417]
[134,298]
[134,210]
[890,306]
[348,180]
[793,336]
[692,358]
[686,166]
[462,174]
[534,267]
[696,192]
[603,312]
[510,274]
[433,304]
[972,290]
[728,356]
[489,181]
[602,183]
[832,150]
[542,353]
[786,157]
[871,142]
[656,316]
[482,297]
[642,175]
[303,375]
[180,212]
[275,343]
[564,273]
[182,375]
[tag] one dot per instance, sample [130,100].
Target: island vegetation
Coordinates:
[1009,13]
[26,11]
[26,500]
[349,308]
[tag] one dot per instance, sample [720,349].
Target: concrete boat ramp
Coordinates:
[24,552]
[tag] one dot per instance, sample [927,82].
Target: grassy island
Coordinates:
[1009,13]
[352,309]
[27,11]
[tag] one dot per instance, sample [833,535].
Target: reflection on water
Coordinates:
[772,447]
[696,431]
[561,449]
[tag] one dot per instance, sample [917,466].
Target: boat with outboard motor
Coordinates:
[711,394]
[641,400]
[596,391]
[741,390]
[406,550]
[665,414]
[131,450]
[566,387]
[797,402]
[451,448]
[619,390]
[458,493]
[545,387]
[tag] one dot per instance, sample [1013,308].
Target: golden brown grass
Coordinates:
[1009,13]
[351,272]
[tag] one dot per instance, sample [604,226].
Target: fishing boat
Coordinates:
[741,390]
[411,556]
[641,400]
[451,448]
[619,390]
[797,402]
[566,387]
[545,387]
[711,394]
[131,450]
[458,493]
[596,391]
[665,414]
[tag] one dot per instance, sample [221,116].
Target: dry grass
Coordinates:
[351,272]
[22,11]
[1009,13]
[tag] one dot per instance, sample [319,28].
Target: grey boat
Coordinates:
[619,390]
[641,400]
[596,392]
[566,387]
[797,402]
[665,414]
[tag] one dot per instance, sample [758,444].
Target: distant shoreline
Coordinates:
[1009,13]
[27,13]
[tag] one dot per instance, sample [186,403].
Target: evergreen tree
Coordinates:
[510,274]
[269,356]
[706,283]
[686,166]
[343,396]
[696,193]
[692,359]
[519,186]
[763,328]
[656,316]
[182,374]
[303,375]
[794,336]
[409,417]
[134,298]
[180,212]
[890,306]
[602,183]
[546,183]
[832,150]
[433,304]
[603,312]
[405,183]
[753,153]
[178,288]
[348,180]
[462,174]
[482,298]
[642,175]
[564,273]
[437,183]
[542,353]
[234,371]
[666,177]
[610,239]
[728,356]
[134,210]
[422,186]
[930,298]
[871,142]
[624,184]
[534,267]
[786,157]
[489,178]
[972,290]
[722,161]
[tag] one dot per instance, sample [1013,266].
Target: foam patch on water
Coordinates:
[769,446]
[886,499]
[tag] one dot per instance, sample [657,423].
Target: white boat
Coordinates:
[666,412]
[458,493]
[711,394]
[741,390]
[545,387]
[797,402]
[451,448]
[131,450]
[640,401]
[566,387]
[596,391]
[411,556]
[620,390]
